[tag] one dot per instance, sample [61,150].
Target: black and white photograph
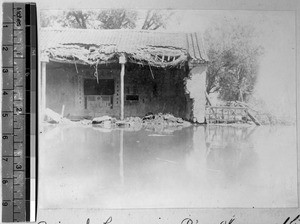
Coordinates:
[163,112]
[148,108]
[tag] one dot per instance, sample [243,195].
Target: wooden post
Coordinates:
[62,111]
[122,61]
[207,99]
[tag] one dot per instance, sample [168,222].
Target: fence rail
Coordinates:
[226,114]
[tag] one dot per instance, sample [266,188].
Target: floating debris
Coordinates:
[99,120]
[55,118]
[86,122]
[158,135]
[166,160]
[164,121]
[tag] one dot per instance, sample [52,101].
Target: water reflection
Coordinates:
[121,156]
[204,166]
[229,150]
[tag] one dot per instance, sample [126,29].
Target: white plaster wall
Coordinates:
[196,86]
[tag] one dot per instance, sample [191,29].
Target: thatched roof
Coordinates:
[86,46]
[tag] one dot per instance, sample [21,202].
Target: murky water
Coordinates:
[213,166]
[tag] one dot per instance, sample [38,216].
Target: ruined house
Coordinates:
[121,73]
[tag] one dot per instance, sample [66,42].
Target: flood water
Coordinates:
[196,167]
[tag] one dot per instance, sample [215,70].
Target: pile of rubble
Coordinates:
[150,121]
[164,120]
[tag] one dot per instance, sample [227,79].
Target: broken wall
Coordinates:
[196,87]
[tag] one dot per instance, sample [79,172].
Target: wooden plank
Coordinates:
[253,118]
[227,107]
[207,98]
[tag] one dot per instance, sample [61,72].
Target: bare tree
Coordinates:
[106,19]
[155,19]
[78,18]
[117,19]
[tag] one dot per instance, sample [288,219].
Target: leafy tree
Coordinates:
[234,60]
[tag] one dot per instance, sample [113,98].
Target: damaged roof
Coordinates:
[91,46]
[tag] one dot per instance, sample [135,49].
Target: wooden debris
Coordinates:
[207,98]
[62,110]
[52,116]
[99,120]
[210,104]
[252,117]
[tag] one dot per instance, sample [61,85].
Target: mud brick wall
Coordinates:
[61,86]
[66,87]
[160,91]
[174,91]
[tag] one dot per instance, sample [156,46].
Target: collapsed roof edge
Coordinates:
[167,46]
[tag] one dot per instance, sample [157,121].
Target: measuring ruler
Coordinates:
[19,126]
